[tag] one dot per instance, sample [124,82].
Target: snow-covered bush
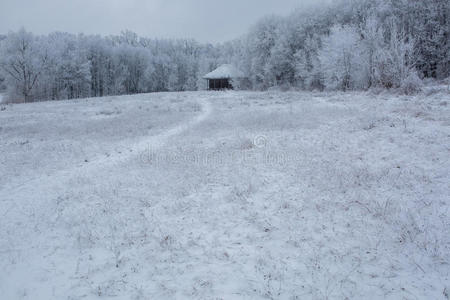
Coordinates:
[2,84]
[240,84]
[412,84]
[447,82]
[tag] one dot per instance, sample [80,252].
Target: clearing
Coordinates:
[226,195]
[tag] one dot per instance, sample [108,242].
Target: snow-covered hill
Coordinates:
[231,195]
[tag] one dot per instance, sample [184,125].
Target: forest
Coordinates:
[349,45]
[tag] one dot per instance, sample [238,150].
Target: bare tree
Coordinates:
[22,61]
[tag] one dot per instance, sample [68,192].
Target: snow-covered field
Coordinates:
[226,195]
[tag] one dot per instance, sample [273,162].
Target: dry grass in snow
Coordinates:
[236,195]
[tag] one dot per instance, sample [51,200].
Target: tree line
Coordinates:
[65,66]
[353,44]
[347,45]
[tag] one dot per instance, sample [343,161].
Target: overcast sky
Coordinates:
[204,20]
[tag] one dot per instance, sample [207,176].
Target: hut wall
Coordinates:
[219,84]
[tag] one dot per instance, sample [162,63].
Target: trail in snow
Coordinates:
[32,198]
[156,141]
[153,142]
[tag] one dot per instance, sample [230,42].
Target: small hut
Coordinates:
[223,77]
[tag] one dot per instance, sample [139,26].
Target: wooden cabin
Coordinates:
[223,77]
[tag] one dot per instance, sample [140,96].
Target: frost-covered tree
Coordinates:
[262,39]
[22,61]
[66,74]
[341,59]
[280,68]
[134,64]
[307,65]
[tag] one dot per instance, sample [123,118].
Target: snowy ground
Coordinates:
[235,195]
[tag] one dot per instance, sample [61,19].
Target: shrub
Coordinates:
[412,84]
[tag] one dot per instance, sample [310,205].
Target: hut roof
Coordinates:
[225,72]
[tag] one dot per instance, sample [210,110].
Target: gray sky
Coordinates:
[204,20]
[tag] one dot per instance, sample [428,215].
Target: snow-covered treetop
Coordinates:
[225,71]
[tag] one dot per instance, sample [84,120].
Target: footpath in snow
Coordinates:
[226,195]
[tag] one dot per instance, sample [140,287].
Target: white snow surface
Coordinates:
[225,71]
[226,195]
